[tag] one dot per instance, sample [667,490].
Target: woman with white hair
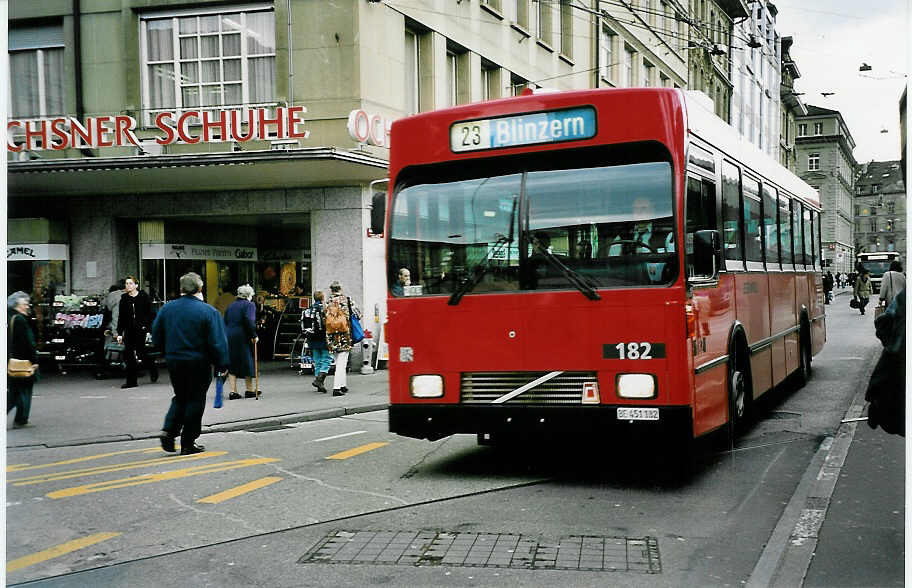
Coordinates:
[240,326]
[20,344]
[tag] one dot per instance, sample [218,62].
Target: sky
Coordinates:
[832,38]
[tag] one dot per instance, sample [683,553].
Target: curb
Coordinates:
[226,427]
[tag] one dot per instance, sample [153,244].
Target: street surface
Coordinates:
[270,506]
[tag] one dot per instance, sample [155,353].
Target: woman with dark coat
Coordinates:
[20,344]
[134,322]
[240,326]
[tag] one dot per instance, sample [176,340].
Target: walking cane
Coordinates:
[256,371]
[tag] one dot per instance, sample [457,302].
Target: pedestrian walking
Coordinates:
[838,278]
[827,287]
[192,335]
[316,340]
[240,327]
[338,312]
[134,318]
[892,283]
[20,345]
[886,391]
[862,290]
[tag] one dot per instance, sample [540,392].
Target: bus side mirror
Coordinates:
[707,245]
[378,213]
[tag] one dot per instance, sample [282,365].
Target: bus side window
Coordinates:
[808,239]
[771,236]
[785,230]
[753,218]
[731,213]
[797,237]
[701,214]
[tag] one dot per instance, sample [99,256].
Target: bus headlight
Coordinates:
[636,386]
[426,386]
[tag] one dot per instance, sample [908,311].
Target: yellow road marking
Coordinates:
[208,468]
[24,466]
[357,451]
[238,490]
[53,477]
[57,551]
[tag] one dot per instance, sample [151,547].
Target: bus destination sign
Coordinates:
[523,129]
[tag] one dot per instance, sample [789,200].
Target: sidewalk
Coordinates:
[76,409]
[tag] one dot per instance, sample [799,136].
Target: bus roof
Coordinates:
[704,123]
[428,133]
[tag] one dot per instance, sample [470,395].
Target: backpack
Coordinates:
[336,321]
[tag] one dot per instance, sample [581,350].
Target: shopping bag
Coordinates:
[219,387]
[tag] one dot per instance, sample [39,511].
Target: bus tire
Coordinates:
[739,392]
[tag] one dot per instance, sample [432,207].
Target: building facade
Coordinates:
[880,208]
[711,46]
[824,149]
[756,67]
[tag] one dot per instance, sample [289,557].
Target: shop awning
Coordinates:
[245,170]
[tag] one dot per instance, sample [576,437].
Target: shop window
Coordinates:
[211,58]
[36,71]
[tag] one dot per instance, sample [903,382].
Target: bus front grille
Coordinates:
[485,387]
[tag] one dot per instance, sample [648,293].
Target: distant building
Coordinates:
[711,49]
[824,148]
[880,208]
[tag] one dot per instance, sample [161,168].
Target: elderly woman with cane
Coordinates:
[240,326]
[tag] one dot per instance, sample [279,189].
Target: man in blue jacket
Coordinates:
[192,335]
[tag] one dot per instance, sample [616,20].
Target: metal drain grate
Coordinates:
[488,550]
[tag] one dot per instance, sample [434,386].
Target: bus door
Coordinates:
[710,300]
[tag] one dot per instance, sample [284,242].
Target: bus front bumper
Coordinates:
[435,421]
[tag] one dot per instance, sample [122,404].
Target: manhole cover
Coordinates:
[489,550]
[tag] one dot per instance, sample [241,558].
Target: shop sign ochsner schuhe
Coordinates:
[188,126]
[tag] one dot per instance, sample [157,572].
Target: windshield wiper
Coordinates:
[481,269]
[581,282]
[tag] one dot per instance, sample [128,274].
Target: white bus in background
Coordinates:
[877,262]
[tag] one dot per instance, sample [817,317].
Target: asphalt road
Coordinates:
[266,508]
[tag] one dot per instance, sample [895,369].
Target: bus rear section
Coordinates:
[877,263]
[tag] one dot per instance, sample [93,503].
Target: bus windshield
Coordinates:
[876,267]
[583,228]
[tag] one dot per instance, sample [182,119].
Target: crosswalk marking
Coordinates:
[357,450]
[57,551]
[208,468]
[238,490]
[54,476]
[24,466]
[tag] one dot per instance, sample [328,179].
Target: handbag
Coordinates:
[19,368]
[357,331]
[853,302]
[880,309]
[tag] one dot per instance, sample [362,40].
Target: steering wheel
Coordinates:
[633,242]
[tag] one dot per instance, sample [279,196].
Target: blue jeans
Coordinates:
[321,360]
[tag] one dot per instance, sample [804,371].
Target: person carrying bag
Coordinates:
[21,360]
[886,391]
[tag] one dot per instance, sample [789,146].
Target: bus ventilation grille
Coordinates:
[485,387]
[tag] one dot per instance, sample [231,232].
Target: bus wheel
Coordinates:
[738,397]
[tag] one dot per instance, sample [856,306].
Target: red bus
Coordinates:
[593,261]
